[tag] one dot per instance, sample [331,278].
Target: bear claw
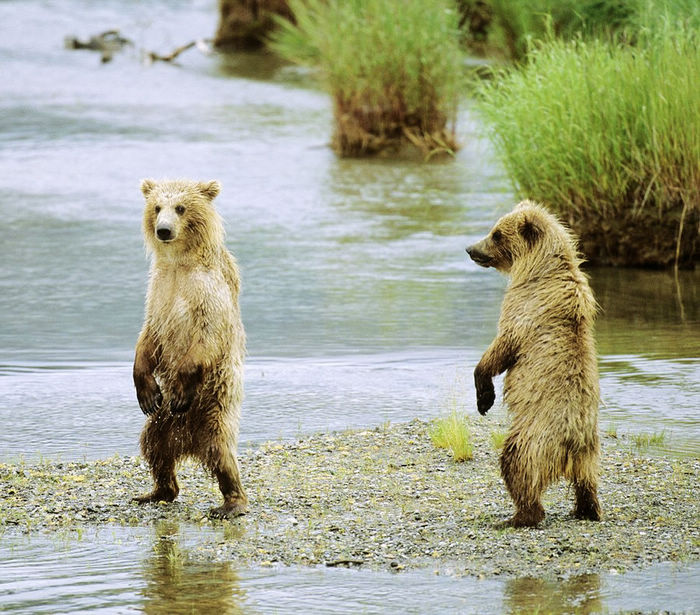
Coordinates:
[229,511]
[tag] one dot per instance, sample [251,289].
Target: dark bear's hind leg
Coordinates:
[587,506]
[521,487]
[585,482]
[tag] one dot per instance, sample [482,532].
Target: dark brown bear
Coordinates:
[545,344]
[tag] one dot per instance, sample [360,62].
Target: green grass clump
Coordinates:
[608,136]
[393,67]
[452,432]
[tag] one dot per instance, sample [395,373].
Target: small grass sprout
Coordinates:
[498,438]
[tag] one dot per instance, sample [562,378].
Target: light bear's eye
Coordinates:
[157,209]
[180,209]
[497,236]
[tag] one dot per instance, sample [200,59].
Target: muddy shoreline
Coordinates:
[382,499]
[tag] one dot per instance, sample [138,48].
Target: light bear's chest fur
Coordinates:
[187,305]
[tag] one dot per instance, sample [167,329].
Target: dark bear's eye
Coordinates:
[157,209]
[180,209]
[497,236]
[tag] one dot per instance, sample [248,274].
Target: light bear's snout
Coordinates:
[164,232]
[166,226]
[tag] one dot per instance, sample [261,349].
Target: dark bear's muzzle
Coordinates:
[478,256]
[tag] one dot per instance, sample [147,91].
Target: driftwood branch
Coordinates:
[152,56]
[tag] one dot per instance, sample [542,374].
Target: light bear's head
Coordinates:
[526,236]
[179,215]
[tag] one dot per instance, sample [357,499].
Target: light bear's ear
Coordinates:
[147,186]
[210,189]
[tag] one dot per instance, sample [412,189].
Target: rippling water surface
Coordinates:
[157,571]
[358,300]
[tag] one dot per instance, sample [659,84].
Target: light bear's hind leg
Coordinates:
[155,448]
[229,477]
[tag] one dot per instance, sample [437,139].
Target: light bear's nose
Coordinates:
[164,233]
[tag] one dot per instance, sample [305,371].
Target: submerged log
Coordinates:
[107,43]
[246,24]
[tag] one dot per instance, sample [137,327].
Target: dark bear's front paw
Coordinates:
[485,394]
[485,401]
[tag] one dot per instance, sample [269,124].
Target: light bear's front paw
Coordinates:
[181,403]
[148,395]
[184,391]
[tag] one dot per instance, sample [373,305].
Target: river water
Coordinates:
[358,299]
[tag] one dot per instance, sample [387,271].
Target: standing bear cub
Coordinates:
[545,343]
[188,369]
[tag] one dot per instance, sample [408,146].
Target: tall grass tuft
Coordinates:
[517,24]
[609,137]
[393,67]
[520,22]
[452,432]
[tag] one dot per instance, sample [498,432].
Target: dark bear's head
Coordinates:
[179,215]
[528,232]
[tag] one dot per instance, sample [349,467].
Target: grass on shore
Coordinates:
[646,440]
[393,68]
[609,138]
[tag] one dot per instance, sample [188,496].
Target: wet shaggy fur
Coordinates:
[545,344]
[188,368]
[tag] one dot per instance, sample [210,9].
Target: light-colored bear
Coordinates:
[188,368]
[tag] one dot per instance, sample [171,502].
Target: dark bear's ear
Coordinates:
[147,186]
[530,231]
[210,189]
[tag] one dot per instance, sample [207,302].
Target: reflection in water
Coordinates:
[649,313]
[580,594]
[648,335]
[174,583]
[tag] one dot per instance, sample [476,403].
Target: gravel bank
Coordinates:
[383,499]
